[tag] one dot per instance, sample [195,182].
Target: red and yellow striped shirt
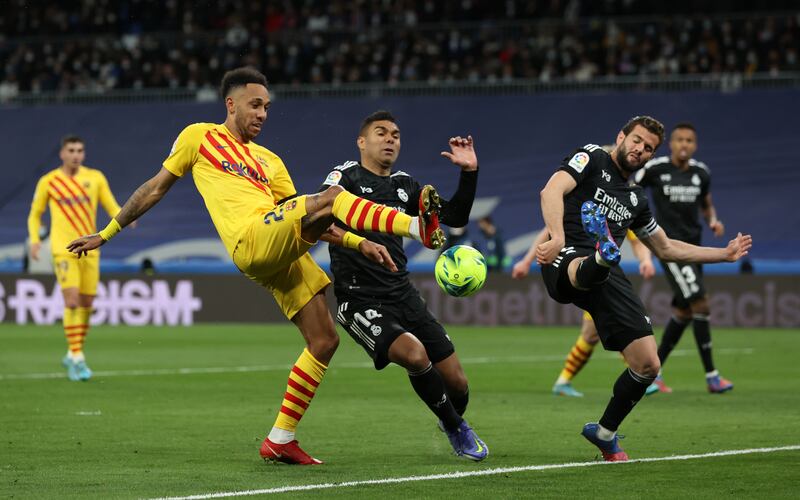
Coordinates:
[237,181]
[72,201]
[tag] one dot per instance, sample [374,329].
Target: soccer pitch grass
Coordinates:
[182,411]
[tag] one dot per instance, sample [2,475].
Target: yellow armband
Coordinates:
[110,230]
[351,240]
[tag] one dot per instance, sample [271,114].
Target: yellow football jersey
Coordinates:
[237,181]
[72,201]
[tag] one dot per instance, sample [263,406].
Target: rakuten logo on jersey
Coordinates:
[132,302]
[611,206]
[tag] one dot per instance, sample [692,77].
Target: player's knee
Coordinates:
[321,204]
[71,303]
[649,368]
[699,306]
[330,194]
[416,359]
[683,315]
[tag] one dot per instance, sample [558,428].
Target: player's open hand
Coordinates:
[520,269]
[738,247]
[378,254]
[462,153]
[82,245]
[547,252]
[646,269]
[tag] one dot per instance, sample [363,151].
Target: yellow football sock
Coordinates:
[577,358]
[84,313]
[365,215]
[73,330]
[305,377]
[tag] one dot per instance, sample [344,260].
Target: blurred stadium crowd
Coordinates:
[95,45]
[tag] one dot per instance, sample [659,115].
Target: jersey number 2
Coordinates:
[277,216]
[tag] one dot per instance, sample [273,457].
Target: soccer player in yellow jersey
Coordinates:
[268,229]
[72,192]
[580,353]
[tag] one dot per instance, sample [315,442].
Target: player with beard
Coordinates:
[680,187]
[588,205]
[382,311]
[582,350]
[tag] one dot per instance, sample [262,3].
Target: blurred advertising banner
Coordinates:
[181,300]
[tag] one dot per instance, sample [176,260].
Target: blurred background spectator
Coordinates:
[495,251]
[94,46]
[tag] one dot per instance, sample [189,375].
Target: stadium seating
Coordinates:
[342,42]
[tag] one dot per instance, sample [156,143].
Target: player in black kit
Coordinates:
[588,205]
[381,309]
[680,189]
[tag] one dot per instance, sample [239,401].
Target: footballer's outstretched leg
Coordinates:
[364,215]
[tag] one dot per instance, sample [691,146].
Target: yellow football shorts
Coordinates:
[272,253]
[587,316]
[83,273]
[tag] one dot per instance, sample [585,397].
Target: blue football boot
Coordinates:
[84,372]
[610,449]
[72,368]
[718,385]
[596,226]
[566,390]
[467,444]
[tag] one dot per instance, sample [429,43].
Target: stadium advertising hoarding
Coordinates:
[174,300]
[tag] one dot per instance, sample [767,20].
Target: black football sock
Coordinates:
[628,390]
[591,273]
[460,400]
[702,335]
[672,334]
[429,385]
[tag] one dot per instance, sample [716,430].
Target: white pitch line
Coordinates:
[358,364]
[475,473]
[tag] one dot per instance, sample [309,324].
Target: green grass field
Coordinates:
[182,411]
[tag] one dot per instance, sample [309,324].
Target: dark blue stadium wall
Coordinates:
[748,139]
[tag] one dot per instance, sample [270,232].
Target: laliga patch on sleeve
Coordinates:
[174,145]
[579,161]
[333,178]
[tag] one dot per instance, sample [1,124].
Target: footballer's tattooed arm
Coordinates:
[147,195]
[140,202]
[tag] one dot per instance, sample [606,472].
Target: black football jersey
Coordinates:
[355,276]
[677,195]
[623,203]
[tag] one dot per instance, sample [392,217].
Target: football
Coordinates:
[461,271]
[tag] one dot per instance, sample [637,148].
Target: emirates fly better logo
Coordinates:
[612,207]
